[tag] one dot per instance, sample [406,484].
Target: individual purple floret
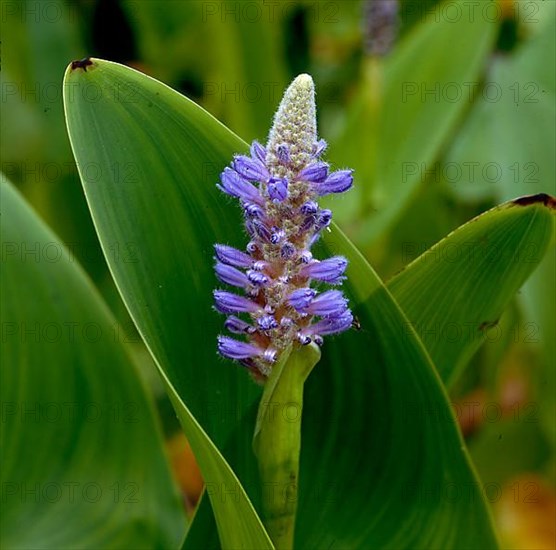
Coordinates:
[283,153]
[337,182]
[328,304]
[231,275]
[278,187]
[236,186]
[316,172]
[328,271]
[238,326]
[329,325]
[234,349]
[226,302]
[319,147]
[250,169]
[232,256]
[301,298]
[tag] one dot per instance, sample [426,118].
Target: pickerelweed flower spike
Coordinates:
[278,187]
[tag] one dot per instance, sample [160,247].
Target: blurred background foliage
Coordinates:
[442,116]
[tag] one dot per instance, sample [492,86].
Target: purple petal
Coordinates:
[250,169]
[314,239]
[277,235]
[232,256]
[260,265]
[233,184]
[306,256]
[328,304]
[267,322]
[261,230]
[308,223]
[324,217]
[258,151]
[329,271]
[238,326]
[316,172]
[310,207]
[301,298]
[331,325]
[226,302]
[283,153]
[277,189]
[253,210]
[231,275]
[270,355]
[257,278]
[287,251]
[234,349]
[337,182]
[319,147]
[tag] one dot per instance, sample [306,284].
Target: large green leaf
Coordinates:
[406,108]
[372,450]
[82,460]
[167,288]
[455,293]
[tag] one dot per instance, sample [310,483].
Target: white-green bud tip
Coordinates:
[295,123]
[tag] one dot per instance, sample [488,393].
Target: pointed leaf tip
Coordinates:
[81,64]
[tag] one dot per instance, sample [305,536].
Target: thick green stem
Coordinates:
[277,441]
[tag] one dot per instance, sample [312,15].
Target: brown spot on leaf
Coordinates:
[539,198]
[81,64]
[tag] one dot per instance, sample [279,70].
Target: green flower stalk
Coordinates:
[277,442]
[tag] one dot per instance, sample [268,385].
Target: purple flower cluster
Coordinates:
[278,186]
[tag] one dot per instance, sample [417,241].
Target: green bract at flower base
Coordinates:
[277,442]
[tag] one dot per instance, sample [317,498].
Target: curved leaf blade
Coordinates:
[379,396]
[167,290]
[82,461]
[455,293]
